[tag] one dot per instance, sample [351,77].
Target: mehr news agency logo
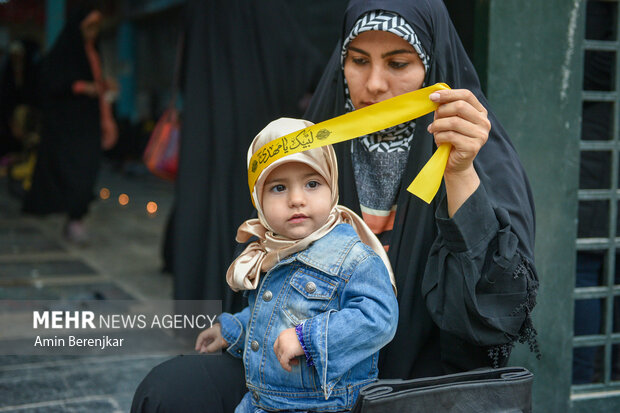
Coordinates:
[88,322]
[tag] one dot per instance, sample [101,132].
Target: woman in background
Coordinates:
[77,124]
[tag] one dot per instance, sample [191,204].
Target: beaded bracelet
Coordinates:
[299,329]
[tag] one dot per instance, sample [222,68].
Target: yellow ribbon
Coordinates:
[361,122]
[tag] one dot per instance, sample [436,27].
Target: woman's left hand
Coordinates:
[462,121]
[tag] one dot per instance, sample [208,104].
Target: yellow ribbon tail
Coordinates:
[428,181]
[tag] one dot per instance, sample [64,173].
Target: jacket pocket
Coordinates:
[310,294]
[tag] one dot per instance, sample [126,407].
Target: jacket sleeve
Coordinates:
[233,330]
[339,339]
[477,284]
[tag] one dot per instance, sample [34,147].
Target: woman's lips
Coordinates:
[364,104]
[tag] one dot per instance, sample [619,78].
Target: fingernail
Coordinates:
[434,96]
[429,127]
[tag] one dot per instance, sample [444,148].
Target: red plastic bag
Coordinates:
[161,155]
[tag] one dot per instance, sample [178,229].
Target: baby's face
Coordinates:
[296,200]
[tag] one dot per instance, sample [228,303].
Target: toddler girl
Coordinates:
[319,285]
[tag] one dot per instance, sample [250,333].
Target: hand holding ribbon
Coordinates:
[461,122]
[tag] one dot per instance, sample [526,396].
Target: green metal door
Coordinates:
[533,84]
[596,342]
[553,79]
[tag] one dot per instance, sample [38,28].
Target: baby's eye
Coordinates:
[278,188]
[313,184]
[398,65]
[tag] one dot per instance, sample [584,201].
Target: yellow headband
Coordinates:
[361,122]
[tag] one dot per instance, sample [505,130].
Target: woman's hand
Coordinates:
[287,348]
[85,87]
[462,121]
[211,340]
[109,134]
[111,90]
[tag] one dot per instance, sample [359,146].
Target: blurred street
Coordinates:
[122,261]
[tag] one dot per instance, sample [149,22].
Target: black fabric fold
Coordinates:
[245,66]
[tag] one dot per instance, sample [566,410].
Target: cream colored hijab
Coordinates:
[262,255]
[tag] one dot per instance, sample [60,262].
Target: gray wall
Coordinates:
[534,84]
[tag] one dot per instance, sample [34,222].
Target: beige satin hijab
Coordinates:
[262,255]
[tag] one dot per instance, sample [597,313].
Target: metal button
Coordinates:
[254,345]
[310,287]
[238,351]
[267,295]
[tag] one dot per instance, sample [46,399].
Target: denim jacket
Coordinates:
[340,290]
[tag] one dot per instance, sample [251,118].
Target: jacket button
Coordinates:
[267,295]
[254,345]
[310,287]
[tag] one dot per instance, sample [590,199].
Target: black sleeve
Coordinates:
[477,284]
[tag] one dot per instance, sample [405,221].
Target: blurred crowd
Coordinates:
[57,119]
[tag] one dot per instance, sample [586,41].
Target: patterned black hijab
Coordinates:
[380,158]
[418,338]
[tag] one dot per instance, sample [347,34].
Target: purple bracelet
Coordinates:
[299,329]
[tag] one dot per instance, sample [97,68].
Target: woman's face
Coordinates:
[90,25]
[380,65]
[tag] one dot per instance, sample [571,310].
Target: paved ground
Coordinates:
[122,261]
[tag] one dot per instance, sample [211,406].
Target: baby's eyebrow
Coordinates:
[313,174]
[272,181]
[284,179]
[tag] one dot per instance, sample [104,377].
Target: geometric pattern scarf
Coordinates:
[380,158]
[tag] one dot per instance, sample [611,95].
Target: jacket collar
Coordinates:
[328,253]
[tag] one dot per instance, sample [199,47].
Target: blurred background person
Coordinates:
[19,116]
[17,87]
[77,123]
[244,66]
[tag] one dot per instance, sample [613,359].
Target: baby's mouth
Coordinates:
[297,218]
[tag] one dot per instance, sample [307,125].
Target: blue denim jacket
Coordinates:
[341,291]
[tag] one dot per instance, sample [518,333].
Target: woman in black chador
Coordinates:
[77,123]
[464,264]
[244,66]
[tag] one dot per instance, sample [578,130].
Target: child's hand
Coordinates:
[211,340]
[287,348]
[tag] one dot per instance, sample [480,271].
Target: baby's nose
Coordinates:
[297,197]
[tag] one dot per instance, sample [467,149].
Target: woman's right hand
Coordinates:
[85,87]
[211,340]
